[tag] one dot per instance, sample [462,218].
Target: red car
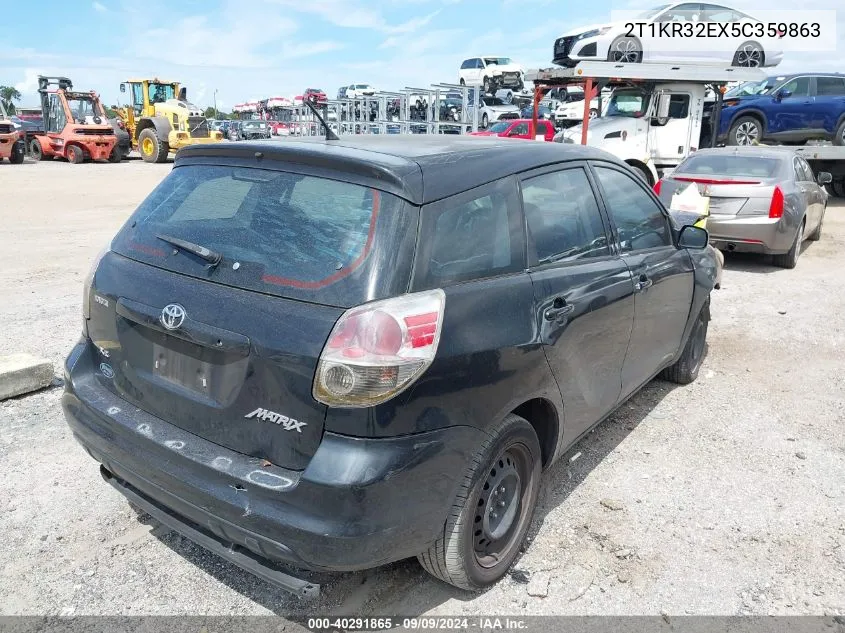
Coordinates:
[521,128]
[315,95]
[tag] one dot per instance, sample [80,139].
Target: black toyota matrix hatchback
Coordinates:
[338,354]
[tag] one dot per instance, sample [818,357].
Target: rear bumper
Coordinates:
[750,234]
[359,504]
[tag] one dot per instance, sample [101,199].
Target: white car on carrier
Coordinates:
[492,73]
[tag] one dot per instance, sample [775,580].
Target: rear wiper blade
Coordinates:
[212,257]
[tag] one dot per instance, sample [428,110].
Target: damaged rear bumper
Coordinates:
[359,504]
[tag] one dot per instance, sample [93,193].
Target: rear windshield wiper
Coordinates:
[212,257]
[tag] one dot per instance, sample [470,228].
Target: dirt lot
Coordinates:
[723,497]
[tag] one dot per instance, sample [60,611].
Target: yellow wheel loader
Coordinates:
[160,120]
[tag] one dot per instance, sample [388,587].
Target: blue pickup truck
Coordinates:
[789,109]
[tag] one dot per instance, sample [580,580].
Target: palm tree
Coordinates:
[8,95]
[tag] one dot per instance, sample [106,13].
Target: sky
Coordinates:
[243,50]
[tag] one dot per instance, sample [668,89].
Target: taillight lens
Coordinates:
[776,206]
[378,350]
[657,186]
[86,289]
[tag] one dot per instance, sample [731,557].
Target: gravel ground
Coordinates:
[722,497]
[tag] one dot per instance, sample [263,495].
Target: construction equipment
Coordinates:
[160,120]
[75,125]
[11,139]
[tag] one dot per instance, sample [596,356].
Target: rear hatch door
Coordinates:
[224,342]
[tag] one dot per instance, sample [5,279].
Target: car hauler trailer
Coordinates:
[657,113]
[829,158]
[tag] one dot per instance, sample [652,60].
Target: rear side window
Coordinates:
[473,235]
[830,86]
[727,165]
[563,218]
[281,233]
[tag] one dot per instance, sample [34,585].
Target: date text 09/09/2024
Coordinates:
[422,623]
[723,29]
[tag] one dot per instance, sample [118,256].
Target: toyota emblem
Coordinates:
[172,316]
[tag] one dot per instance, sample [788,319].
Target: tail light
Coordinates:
[776,206]
[378,350]
[86,289]
[657,186]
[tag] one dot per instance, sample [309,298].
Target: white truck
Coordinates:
[656,114]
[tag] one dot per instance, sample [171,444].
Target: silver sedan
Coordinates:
[762,199]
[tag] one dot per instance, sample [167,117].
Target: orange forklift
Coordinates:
[75,125]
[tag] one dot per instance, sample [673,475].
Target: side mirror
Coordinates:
[693,237]
[123,87]
[663,103]
[783,94]
[824,177]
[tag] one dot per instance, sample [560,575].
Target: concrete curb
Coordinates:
[22,373]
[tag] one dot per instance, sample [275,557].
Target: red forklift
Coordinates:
[75,125]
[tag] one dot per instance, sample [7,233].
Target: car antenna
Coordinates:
[330,136]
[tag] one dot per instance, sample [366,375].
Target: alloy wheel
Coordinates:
[749,56]
[626,51]
[747,133]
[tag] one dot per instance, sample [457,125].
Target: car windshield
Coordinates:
[652,12]
[752,88]
[499,61]
[498,128]
[629,103]
[361,86]
[281,233]
[729,165]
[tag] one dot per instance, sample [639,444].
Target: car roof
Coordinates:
[791,75]
[420,169]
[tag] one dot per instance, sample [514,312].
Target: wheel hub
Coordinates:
[746,133]
[499,505]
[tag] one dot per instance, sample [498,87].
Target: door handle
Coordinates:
[642,283]
[559,308]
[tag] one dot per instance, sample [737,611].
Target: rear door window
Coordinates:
[474,235]
[830,86]
[281,233]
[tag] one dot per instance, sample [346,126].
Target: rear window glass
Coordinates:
[728,165]
[281,233]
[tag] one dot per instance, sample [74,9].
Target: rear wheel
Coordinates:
[116,155]
[749,55]
[790,258]
[152,148]
[484,120]
[839,187]
[626,50]
[75,154]
[492,511]
[839,137]
[36,151]
[685,370]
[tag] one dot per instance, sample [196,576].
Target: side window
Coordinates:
[466,64]
[799,87]
[715,13]
[640,222]
[479,63]
[679,106]
[520,128]
[543,127]
[56,118]
[563,218]
[798,170]
[690,12]
[830,86]
[473,235]
[808,171]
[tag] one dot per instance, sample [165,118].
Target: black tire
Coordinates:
[642,173]
[116,155]
[36,151]
[625,50]
[484,121]
[839,137]
[17,155]
[790,258]
[839,187]
[685,369]
[816,235]
[749,55]
[456,557]
[75,154]
[462,82]
[485,85]
[159,150]
[745,131]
